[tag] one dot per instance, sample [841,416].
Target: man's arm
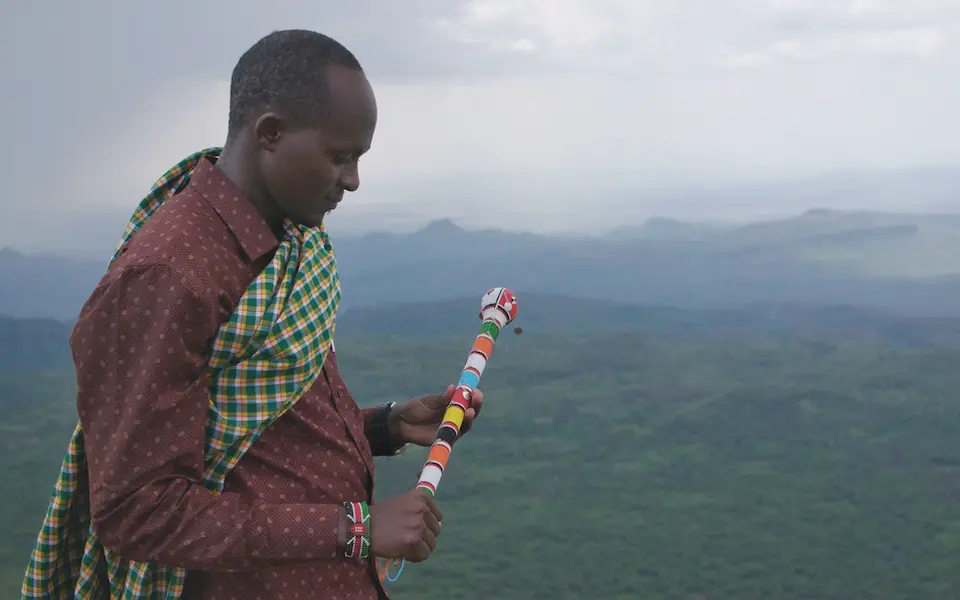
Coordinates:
[378,429]
[140,347]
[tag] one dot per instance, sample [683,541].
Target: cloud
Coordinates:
[580,35]
[542,114]
[625,34]
[564,149]
[865,29]
[559,23]
[913,43]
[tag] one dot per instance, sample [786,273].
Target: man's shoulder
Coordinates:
[187,236]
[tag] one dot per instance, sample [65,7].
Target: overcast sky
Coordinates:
[530,114]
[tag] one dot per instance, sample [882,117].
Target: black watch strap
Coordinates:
[379,434]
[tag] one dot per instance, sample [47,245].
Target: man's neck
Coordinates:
[240,168]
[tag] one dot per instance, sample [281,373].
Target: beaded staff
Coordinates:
[498,308]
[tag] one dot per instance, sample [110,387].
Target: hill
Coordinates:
[820,257]
[28,345]
[52,287]
[573,315]
[776,453]
[905,263]
[43,344]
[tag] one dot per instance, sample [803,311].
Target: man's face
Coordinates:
[308,169]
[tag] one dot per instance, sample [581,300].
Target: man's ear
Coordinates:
[269,130]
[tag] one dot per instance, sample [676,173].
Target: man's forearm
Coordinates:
[175,522]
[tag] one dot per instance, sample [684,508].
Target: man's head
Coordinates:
[301,103]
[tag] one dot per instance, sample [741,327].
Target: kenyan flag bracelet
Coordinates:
[358,530]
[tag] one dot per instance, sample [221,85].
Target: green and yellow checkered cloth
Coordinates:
[264,358]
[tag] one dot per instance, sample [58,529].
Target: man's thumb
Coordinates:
[441,400]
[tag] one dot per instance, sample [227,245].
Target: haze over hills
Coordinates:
[91,229]
[902,262]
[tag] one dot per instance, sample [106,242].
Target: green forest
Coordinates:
[684,461]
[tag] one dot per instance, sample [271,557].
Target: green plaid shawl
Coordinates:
[264,358]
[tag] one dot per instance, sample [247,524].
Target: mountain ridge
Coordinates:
[904,262]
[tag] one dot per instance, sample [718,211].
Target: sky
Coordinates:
[538,115]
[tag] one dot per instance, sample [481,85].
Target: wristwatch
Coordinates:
[380,433]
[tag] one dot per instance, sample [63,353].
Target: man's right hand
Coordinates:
[405,526]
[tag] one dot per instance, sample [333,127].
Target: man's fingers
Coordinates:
[429,538]
[420,552]
[432,523]
[468,417]
[432,506]
[476,402]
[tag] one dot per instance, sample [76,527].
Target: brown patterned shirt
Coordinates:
[140,347]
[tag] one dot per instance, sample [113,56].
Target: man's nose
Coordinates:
[350,177]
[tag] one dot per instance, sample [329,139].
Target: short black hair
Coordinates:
[285,70]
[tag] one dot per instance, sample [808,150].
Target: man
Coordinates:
[219,453]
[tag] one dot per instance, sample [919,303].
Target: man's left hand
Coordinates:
[416,421]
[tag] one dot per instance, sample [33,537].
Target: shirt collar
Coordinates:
[240,216]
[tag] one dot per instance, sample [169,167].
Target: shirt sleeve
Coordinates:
[140,348]
[367,422]
[367,416]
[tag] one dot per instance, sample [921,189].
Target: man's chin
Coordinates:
[315,218]
[308,221]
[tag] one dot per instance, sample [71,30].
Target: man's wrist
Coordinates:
[385,434]
[357,523]
[394,430]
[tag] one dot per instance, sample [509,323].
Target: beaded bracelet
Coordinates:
[358,530]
